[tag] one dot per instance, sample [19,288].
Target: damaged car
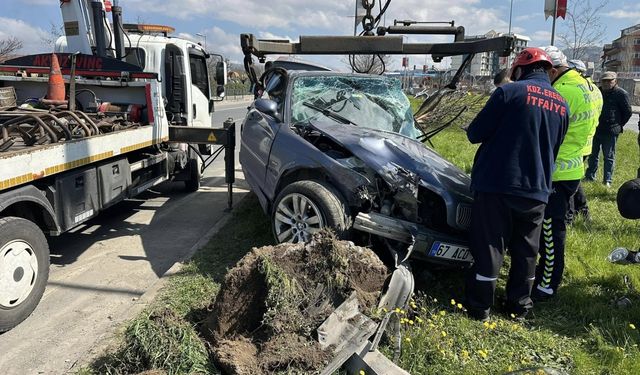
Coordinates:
[341,150]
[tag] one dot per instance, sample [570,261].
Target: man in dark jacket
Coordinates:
[520,130]
[616,111]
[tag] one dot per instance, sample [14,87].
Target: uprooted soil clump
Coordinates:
[265,316]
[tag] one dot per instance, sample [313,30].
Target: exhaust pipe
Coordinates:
[99,33]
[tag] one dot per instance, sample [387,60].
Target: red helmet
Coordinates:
[531,55]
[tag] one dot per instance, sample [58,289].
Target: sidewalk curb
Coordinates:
[111,338]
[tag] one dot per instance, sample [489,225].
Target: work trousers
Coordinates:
[553,237]
[578,203]
[606,142]
[501,222]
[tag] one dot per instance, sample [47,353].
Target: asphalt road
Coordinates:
[100,270]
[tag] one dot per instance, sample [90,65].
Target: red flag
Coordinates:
[562,9]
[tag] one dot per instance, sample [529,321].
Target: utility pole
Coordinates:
[510,16]
[553,26]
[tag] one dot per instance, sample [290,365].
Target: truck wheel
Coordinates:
[304,207]
[24,269]
[193,183]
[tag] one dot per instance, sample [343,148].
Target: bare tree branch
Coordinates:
[49,40]
[584,27]
[371,64]
[8,47]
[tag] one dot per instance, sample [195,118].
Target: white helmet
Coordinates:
[577,65]
[557,57]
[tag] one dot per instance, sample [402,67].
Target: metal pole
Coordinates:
[510,16]
[553,27]
[355,18]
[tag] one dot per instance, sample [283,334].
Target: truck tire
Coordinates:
[193,183]
[24,269]
[304,207]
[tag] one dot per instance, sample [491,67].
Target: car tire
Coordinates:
[323,207]
[24,269]
[193,183]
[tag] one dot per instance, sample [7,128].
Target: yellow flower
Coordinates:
[442,313]
[384,309]
[444,334]
[397,310]
[493,326]
[486,324]
[435,300]
[407,339]
[361,372]
[483,353]
[419,320]
[453,301]
[632,326]
[410,322]
[459,306]
[513,316]
[465,353]
[509,368]
[443,352]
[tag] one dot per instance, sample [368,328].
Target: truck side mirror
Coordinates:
[221,73]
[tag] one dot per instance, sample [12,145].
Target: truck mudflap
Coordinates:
[428,244]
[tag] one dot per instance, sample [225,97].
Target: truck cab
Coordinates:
[181,65]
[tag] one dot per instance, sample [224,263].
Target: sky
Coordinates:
[223,20]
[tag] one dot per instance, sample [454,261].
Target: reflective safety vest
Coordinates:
[596,102]
[585,104]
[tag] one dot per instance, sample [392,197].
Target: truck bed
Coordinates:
[21,164]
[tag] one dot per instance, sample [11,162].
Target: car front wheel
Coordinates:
[304,207]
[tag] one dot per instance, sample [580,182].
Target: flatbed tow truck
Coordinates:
[136,114]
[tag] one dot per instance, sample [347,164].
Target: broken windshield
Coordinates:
[372,102]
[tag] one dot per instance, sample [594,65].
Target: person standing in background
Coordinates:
[616,111]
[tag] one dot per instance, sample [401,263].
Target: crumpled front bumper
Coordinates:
[422,238]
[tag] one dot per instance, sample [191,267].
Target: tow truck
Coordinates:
[137,112]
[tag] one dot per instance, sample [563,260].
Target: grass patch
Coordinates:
[582,332]
[166,336]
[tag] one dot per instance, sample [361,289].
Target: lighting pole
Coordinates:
[510,16]
[553,26]
[203,36]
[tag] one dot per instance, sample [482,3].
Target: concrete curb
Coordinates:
[110,339]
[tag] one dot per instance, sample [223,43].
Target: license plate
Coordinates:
[450,251]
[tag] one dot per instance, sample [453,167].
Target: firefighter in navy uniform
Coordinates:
[520,130]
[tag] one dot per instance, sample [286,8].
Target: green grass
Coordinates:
[166,335]
[582,332]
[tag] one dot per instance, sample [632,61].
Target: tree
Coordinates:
[370,64]
[8,47]
[583,27]
[49,40]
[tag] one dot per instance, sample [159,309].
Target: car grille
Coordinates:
[463,216]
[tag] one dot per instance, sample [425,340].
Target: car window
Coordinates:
[372,102]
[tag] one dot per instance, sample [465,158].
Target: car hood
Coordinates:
[389,153]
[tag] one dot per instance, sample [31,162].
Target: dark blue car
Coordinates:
[339,150]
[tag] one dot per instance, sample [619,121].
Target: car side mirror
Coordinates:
[267,106]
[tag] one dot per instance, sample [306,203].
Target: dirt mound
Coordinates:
[265,316]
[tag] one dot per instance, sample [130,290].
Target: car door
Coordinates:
[258,133]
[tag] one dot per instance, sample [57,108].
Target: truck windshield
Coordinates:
[372,102]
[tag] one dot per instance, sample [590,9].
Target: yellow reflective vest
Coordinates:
[585,104]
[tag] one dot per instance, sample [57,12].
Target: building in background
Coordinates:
[488,64]
[623,54]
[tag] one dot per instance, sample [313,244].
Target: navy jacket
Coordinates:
[616,111]
[520,130]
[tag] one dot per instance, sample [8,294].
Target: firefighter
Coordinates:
[585,104]
[520,130]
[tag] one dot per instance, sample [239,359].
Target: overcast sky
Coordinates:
[223,20]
